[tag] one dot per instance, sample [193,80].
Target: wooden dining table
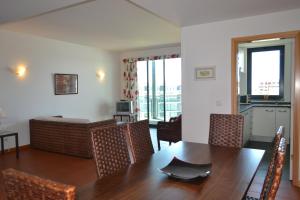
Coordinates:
[232,172]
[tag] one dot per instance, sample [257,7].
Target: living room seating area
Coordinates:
[64,135]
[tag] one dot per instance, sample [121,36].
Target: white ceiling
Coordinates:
[107,24]
[13,10]
[191,12]
[120,25]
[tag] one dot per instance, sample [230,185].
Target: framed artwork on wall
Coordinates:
[205,73]
[66,84]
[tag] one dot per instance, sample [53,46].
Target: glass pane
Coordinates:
[265,72]
[173,87]
[142,87]
[156,92]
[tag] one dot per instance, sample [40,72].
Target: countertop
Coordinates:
[246,106]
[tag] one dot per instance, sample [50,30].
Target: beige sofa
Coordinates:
[64,135]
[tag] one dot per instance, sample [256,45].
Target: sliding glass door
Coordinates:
[156,91]
[173,87]
[159,83]
[142,77]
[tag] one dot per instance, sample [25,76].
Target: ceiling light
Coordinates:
[266,40]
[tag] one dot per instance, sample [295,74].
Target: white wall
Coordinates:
[34,96]
[210,44]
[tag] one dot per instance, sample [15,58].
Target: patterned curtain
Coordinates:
[130,90]
[161,57]
[130,77]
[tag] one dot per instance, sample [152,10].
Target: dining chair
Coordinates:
[277,172]
[226,130]
[110,150]
[271,188]
[20,185]
[169,131]
[140,140]
[268,177]
[276,142]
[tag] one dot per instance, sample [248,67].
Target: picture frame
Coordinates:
[66,84]
[205,73]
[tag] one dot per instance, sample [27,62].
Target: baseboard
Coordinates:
[296,183]
[27,146]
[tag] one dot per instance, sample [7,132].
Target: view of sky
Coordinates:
[172,68]
[265,72]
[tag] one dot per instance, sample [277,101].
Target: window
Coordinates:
[173,87]
[143,89]
[241,60]
[265,70]
[159,83]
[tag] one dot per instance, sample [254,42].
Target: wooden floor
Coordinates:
[65,169]
[78,172]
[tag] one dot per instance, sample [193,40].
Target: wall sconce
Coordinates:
[100,75]
[21,71]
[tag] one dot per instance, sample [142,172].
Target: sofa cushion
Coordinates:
[66,120]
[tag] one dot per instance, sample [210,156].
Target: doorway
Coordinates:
[273,87]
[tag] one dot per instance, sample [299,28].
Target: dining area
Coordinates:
[128,168]
[231,173]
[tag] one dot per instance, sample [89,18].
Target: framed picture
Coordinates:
[66,84]
[205,73]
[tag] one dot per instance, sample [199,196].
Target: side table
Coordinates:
[130,117]
[4,134]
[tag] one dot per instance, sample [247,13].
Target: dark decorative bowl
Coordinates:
[186,171]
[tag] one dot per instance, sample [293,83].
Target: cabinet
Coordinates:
[283,118]
[247,125]
[266,120]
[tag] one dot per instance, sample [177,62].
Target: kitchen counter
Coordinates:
[246,106]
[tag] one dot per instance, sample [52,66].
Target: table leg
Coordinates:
[2,145]
[17,145]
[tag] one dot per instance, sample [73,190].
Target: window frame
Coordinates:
[281,49]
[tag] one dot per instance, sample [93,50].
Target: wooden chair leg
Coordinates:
[158,144]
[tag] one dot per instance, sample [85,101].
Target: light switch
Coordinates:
[219,103]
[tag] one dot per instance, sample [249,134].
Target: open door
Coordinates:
[271,89]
